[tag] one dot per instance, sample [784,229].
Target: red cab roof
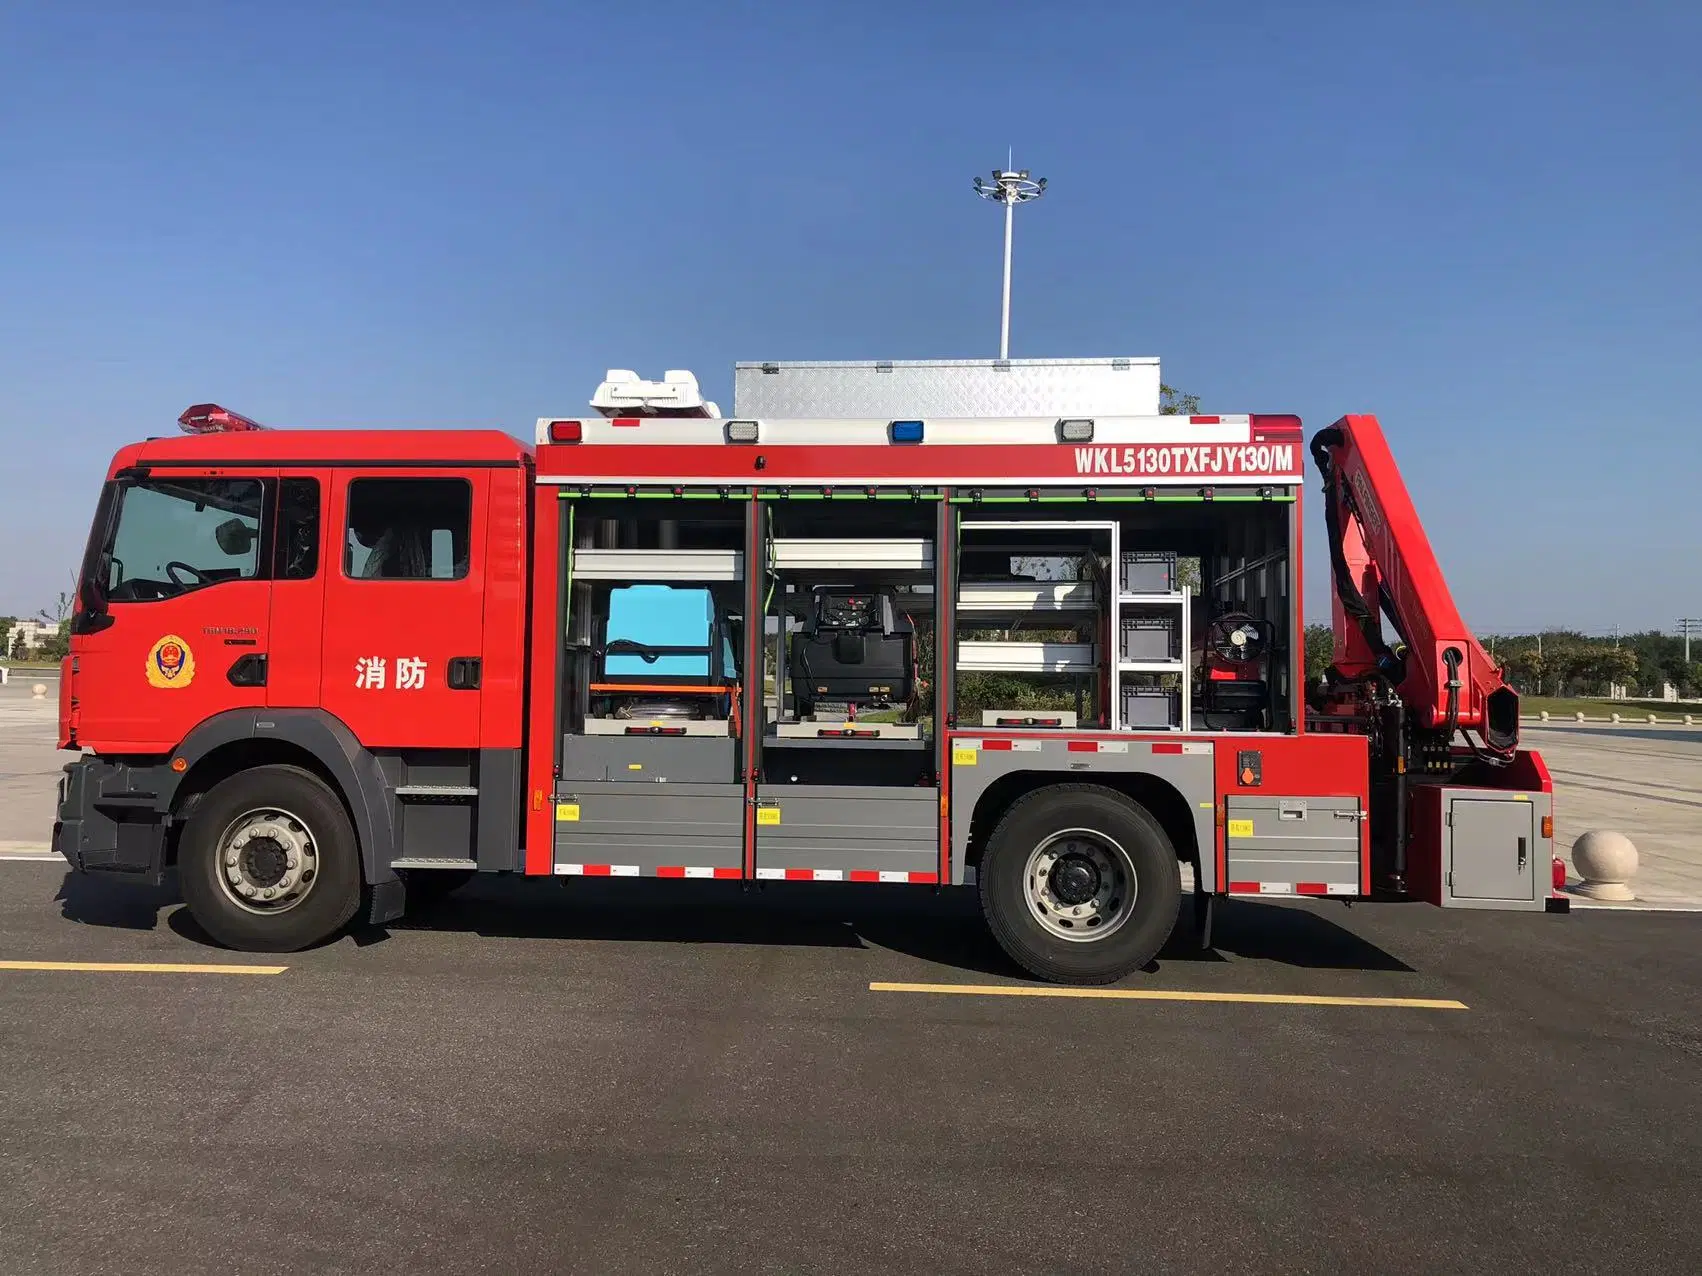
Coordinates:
[482,448]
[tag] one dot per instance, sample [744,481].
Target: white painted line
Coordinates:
[32,857]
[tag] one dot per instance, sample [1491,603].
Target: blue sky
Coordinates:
[1475,220]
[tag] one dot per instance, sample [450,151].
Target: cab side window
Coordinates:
[296,551]
[408,529]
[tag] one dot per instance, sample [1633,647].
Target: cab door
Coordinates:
[403,637]
[183,567]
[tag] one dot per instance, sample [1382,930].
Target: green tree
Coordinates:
[60,612]
[1597,665]
[1172,402]
[1320,649]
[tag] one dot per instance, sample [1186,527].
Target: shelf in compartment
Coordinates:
[852,554]
[1027,599]
[657,564]
[1027,657]
[772,741]
[1152,666]
[1152,600]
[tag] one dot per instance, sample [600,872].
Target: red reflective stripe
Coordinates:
[729,873]
[1167,748]
[598,870]
[1310,888]
[1251,888]
[1203,420]
[996,746]
[1084,746]
[671,870]
[800,875]
[924,879]
[864,875]
[625,421]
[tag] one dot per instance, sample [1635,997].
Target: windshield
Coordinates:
[175,535]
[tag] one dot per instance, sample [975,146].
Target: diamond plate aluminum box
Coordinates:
[900,389]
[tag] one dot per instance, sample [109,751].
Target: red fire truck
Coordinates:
[1037,637]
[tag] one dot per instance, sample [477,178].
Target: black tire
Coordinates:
[428,887]
[1101,813]
[325,908]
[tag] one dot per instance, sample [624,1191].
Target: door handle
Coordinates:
[1522,853]
[248,671]
[464,673]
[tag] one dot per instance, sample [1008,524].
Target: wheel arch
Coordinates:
[313,740]
[1159,797]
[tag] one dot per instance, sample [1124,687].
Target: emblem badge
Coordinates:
[171,663]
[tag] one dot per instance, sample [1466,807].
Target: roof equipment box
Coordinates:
[898,389]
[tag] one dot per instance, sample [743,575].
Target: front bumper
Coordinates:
[112,819]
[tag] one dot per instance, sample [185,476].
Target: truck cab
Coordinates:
[316,637]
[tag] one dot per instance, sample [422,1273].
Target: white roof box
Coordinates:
[623,393]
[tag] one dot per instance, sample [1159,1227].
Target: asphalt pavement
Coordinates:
[646,1077]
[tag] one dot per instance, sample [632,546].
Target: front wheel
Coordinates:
[1079,884]
[269,861]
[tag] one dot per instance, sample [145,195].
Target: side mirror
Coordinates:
[234,537]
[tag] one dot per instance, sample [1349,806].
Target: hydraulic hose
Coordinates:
[1389,664]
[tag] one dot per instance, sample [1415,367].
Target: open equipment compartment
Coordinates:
[648,775]
[1130,611]
[848,775]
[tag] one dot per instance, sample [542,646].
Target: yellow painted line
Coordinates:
[143,967]
[1157,994]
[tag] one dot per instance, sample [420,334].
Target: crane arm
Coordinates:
[1382,565]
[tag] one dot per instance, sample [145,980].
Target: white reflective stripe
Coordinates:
[829,874]
[598,431]
[596,870]
[1025,746]
[889,876]
[1276,888]
[1342,888]
[1195,746]
[771,874]
[1113,746]
[602,468]
[699,872]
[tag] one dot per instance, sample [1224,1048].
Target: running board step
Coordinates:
[427,792]
[423,861]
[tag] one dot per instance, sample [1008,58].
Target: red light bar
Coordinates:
[210,418]
[566,431]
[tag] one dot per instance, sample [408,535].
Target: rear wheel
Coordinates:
[1079,884]
[269,861]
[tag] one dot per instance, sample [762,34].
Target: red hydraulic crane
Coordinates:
[1383,565]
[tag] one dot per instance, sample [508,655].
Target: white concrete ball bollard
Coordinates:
[1606,861]
[1580,715]
[39,691]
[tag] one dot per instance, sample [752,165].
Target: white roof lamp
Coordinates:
[624,393]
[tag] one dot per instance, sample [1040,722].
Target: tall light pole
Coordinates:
[1009,187]
[1688,625]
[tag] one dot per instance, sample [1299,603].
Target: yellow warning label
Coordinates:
[567,810]
[1241,828]
[768,815]
[964,757]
